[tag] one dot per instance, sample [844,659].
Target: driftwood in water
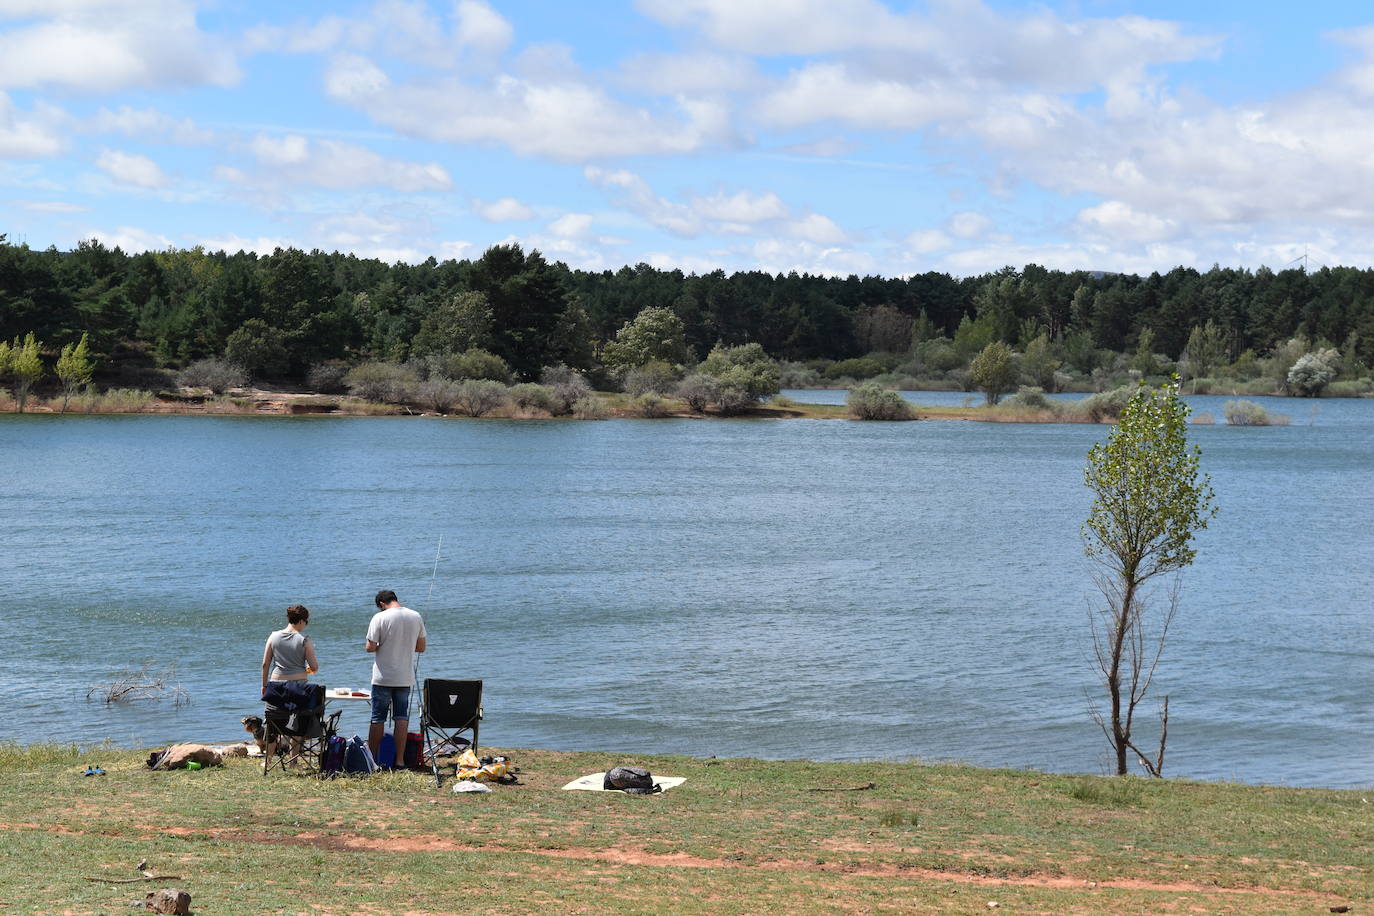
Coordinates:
[141,684]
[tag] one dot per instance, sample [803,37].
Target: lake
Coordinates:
[775,588]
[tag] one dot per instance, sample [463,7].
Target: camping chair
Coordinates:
[449,708]
[295,730]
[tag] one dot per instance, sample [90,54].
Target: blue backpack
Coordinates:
[358,758]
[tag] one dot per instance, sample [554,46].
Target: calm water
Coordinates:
[820,589]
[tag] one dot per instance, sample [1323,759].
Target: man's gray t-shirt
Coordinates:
[395,631]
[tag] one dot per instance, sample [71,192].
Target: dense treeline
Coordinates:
[283,314]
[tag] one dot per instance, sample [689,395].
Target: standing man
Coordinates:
[395,634]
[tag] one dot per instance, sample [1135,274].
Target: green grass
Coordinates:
[741,836]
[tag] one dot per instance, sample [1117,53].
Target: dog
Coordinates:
[254,726]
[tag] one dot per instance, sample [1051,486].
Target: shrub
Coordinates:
[384,382]
[860,367]
[871,401]
[438,394]
[1248,413]
[327,378]
[797,375]
[473,363]
[590,408]
[657,377]
[744,375]
[478,397]
[216,374]
[117,400]
[568,387]
[259,348]
[529,396]
[1104,404]
[1030,398]
[652,405]
[697,391]
[994,370]
[1313,372]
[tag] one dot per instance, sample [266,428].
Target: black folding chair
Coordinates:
[449,709]
[295,729]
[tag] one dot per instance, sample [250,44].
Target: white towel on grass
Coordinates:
[595,781]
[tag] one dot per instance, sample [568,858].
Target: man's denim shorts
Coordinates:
[393,700]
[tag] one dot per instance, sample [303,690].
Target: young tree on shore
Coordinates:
[74,369]
[1148,502]
[994,371]
[26,366]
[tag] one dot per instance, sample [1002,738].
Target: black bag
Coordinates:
[631,781]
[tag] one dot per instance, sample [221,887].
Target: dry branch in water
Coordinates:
[142,684]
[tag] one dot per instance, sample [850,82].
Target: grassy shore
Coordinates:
[741,836]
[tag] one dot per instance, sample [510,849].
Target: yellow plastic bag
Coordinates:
[469,767]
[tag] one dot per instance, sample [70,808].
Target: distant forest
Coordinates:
[296,310]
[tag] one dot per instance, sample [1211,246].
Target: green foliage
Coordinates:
[437,394]
[973,336]
[697,390]
[652,405]
[471,364]
[861,367]
[216,374]
[1039,363]
[1149,500]
[386,383]
[655,335]
[259,348]
[461,322]
[654,376]
[327,377]
[530,396]
[25,367]
[74,369]
[479,397]
[871,401]
[744,376]
[1104,405]
[590,407]
[568,387]
[1248,413]
[994,371]
[1206,350]
[1030,398]
[1313,371]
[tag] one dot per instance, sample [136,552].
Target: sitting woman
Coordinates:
[289,655]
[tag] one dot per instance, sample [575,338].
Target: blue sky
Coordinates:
[829,136]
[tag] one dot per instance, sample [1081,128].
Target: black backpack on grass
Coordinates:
[631,781]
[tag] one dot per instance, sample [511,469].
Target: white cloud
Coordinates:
[696,72]
[570,120]
[793,26]
[130,238]
[507,209]
[481,28]
[742,207]
[571,225]
[102,47]
[132,168]
[831,91]
[1117,220]
[52,206]
[925,241]
[296,160]
[816,228]
[36,134]
[968,224]
[148,123]
[232,244]
[634,194]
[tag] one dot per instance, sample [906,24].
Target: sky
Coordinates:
[832,137]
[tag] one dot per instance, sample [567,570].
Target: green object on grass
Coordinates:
[192,765]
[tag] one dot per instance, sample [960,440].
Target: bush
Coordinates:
[657,377]
[744,375]
[652,406]
[1248,413]
[216,374]
[871,401]
[478,397]
[697,391]
[259,348]
[590,408]
[1313,372]
[474,364]
[568,387]
[1104,404]
[438,394]
[860,367]
[528,396]
[327,378]
[387,383]
[1030,398]
[797,375]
